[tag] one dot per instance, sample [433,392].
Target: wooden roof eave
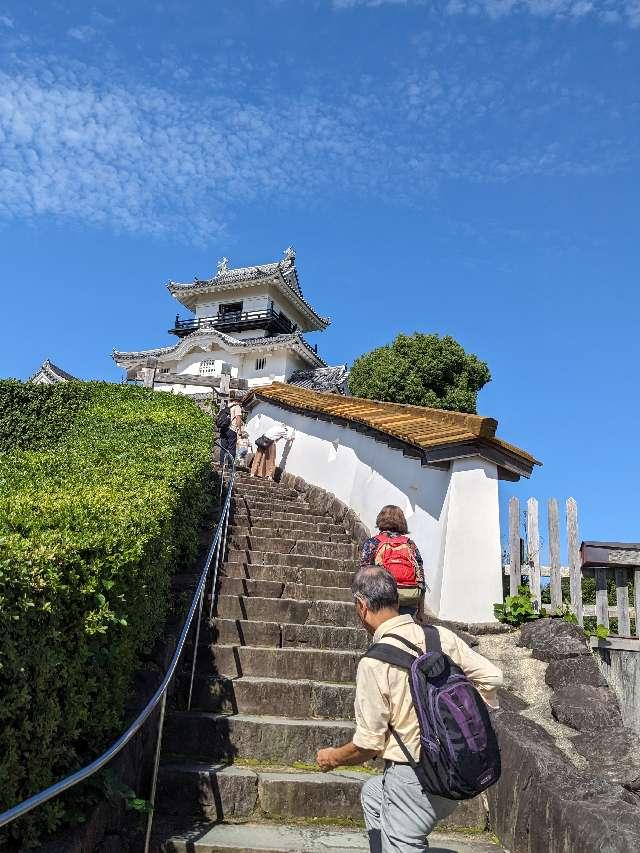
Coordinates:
[510,465]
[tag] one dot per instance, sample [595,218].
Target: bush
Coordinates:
[103,489]
[421,370]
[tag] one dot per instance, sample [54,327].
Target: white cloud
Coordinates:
[83,33]
[74,144]
[608,11]
[6,21]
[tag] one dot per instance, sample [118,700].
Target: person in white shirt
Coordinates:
[398,814]
[264,462]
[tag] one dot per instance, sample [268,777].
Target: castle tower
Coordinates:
[245,323]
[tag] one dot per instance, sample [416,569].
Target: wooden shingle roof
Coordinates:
[436,435]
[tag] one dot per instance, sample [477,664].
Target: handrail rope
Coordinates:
[83,773]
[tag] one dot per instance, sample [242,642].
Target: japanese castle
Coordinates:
[244,323]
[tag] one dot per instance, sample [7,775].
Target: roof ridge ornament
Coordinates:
[289,254]
[223,266]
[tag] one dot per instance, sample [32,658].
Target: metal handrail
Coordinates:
[216,550]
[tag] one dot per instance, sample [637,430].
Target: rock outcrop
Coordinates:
[570,768]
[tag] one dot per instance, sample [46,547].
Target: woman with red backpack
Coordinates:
[392,549]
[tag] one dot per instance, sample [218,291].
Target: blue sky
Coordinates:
[467,167]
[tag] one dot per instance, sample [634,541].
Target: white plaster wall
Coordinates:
[191,362]
[471,580]
[274,370]
[452,515]
[256,298]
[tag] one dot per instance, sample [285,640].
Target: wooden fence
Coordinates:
[571,568]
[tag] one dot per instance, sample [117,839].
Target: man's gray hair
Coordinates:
[376,587]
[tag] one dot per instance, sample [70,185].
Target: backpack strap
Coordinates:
[432,638]
[387,653]
[406,643]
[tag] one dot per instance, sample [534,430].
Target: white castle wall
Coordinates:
[452,514]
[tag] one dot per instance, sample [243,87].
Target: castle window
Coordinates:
[261,363]
[230,310]
[207,367]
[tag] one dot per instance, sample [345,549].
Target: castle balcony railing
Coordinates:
[236,321]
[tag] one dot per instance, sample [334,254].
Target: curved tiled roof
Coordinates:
[283,273]
[52,373]
[419,427]
[333,379]
[293,340]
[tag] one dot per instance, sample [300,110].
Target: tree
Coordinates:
[422,370]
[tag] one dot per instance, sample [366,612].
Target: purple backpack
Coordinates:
[459,754]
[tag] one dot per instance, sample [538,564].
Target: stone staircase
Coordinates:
[274,683]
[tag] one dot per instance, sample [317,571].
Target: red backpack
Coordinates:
[394,554]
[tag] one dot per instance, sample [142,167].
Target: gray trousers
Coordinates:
[398,814]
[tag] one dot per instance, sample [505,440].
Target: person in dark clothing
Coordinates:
[229,423]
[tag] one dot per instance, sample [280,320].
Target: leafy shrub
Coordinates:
[421,370]
[518,609]
[103,489]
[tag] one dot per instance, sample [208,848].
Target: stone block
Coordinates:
[553,639]
[314,795]
[339,613]
[586,708]
[360,534]
[568,671]
[242,633]
[614,754]
[338,510]
[314,593]
[268,609]
[275,739]
[275,696]
[324,637]
[314,664]
[469,814]
[209,791]
[542,803]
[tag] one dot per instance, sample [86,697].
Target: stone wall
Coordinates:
[553,800]
[322,501]
[621,669]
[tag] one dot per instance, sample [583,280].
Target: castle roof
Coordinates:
[330,379]
[281,274]
[49,373]
[432,435]
[203,337]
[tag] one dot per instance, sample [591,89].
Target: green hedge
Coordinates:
[103,489]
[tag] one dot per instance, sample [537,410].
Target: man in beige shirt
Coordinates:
[398,814]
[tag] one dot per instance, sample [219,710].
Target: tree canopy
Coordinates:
[421,370]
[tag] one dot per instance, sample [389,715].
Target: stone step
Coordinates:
[265,838]
[307,561]
[253,504]
[254,516]
[238,532]
[216,737]
[288,544]
[240,632]
[338,667]
[318,700]
[283,610]
[280,838]
[277,589]
[215,792]
[253,489]
[286,574]
[263,522]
